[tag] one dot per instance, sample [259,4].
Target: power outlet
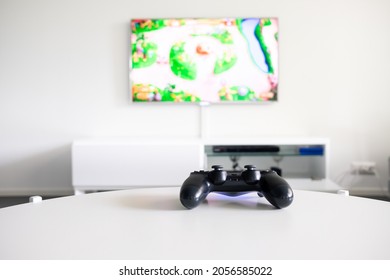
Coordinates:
[363,167]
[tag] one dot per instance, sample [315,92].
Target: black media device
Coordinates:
[246,149]
[266,183]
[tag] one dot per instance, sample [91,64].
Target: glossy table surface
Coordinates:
[151,223]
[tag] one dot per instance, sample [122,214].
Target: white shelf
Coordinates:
[369,191]
[122,163]
[324,185]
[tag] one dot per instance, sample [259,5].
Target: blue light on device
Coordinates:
[311,151]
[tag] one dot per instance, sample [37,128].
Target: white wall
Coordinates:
[64,76]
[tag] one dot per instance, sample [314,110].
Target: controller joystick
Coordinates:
[217,176]
[251,176]
[267,183]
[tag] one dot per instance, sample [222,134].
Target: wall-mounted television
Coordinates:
[213,60]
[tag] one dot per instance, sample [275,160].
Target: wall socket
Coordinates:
[363,167]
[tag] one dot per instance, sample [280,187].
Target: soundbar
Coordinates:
[246,149]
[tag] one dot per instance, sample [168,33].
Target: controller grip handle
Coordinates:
[194,190]
[276,190]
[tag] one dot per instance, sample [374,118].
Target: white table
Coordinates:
[152,224]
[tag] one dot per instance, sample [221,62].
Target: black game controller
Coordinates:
[266,183]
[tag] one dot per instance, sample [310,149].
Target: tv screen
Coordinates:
[204,60]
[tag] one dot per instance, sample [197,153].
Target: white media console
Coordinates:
[121,163]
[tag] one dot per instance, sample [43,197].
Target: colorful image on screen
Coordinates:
[204,60]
